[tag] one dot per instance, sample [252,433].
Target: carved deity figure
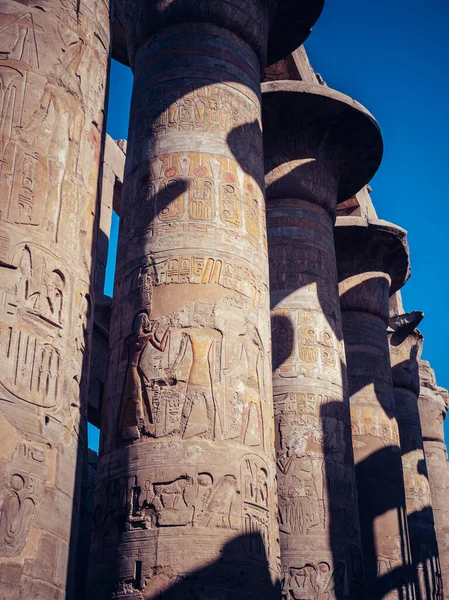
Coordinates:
[312,582]
[300,500]
[57,115]
[132,415]
[200,416]
[246,373]
[219,508]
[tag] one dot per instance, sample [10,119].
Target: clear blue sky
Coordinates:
[392,56]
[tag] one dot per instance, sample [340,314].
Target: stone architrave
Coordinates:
[320,147]
[53,69]
[405,351]
[433,404]
[372,261]
[186,498]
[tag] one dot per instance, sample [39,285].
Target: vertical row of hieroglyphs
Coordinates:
[310,166]
[53,66]
[186,472]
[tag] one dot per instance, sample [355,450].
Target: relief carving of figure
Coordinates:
[200,415]
[194,500]
[46,299]
[218,511]
[171,502]
[132,414]
[57,115]
[245,374]
[299,494]
[312,582]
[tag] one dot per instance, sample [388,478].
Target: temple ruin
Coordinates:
[268,427]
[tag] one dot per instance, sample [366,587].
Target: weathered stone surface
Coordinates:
[86,520]
[405,351]
[359,205]
[295,66]
[305,168]
[52,91]
[186,476]
[433,404]
[372,261]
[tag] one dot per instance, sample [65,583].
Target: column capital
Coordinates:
[291,26]
[273,28]
[312,132]
[373,263]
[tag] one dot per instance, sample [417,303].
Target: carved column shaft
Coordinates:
[433,403]
[372,263]
[405,350]
[52,93]
[306,162]
[186,474]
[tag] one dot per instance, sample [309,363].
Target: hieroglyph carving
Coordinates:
[33,295]
[198,269]
[188,188]
[303,346]
[230,500]
[256,506]
[212,108]
[40,126]
[22,490]
[186,378]
[305,427]
[284,261]
[315,582]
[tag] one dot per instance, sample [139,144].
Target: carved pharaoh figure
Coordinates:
[132,416]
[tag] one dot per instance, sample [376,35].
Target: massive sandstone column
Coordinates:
[186,502]
[372,262]
[320,147]
[53,67]
[405,351]
[433,404]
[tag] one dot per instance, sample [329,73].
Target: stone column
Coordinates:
[313,159]
[372,261]
[54,60]
[186,501]
[433,404]
[405,351]
[111,192]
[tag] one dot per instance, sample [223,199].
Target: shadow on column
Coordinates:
[226,578]
[426,570]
